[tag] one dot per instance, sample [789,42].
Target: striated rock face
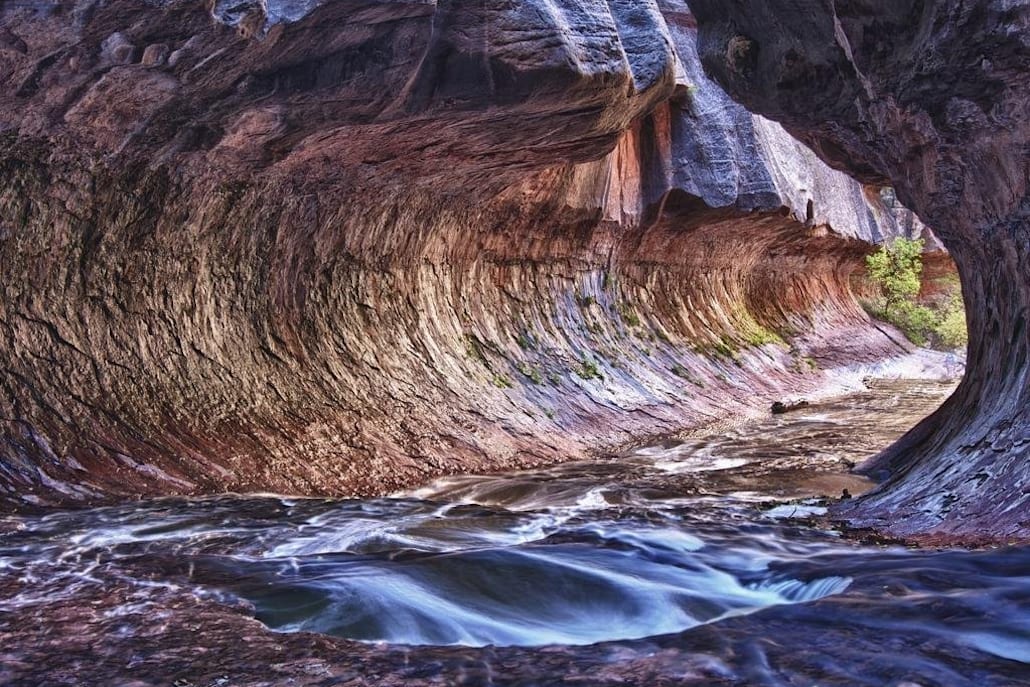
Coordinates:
[340,248]
[935,99]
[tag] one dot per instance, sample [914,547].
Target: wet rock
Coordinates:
[116,48]
[184,51]
[389,240]
[931,100]
[155,55]
[248,16]
[781,407]
[12,42]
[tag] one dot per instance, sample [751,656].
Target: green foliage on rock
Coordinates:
[588,370]
[951,326]
[762,336]
[727,347]
[896,270]
[684,373]
[751,331]
[914,320]
[534,374]
[629,315]
[585,301]
[474,350]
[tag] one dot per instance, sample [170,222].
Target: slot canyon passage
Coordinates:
[428,342]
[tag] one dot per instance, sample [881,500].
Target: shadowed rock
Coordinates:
[932,98]
[781,407]
[346,247]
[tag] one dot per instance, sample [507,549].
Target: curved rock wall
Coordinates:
[935,98]
[341,248]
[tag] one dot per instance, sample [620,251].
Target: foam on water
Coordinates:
[527,596]
[661,540]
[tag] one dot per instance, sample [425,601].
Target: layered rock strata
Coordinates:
[933,98]
[342,248]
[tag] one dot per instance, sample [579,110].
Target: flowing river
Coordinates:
[702,561]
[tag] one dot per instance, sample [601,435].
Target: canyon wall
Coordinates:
[341,248]
[933,98]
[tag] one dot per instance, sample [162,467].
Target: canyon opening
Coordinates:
[514,342]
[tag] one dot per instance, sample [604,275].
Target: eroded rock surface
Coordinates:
[935,99]
[341,248]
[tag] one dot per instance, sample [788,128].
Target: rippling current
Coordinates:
[717,533]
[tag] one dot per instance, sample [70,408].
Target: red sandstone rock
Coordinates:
[365,243]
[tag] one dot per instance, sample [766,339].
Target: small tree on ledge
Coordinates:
[897,269]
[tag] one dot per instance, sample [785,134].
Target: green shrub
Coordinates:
[760,336]
[585,301]
[896,269]
[951,326]
[533,373]
[684,373]
[727,347]
[588,370]
[474,350]
[914,320]
[629,315]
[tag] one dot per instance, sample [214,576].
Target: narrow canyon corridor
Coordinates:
[435,342]
[680,563]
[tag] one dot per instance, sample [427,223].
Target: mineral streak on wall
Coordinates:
[341,247]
